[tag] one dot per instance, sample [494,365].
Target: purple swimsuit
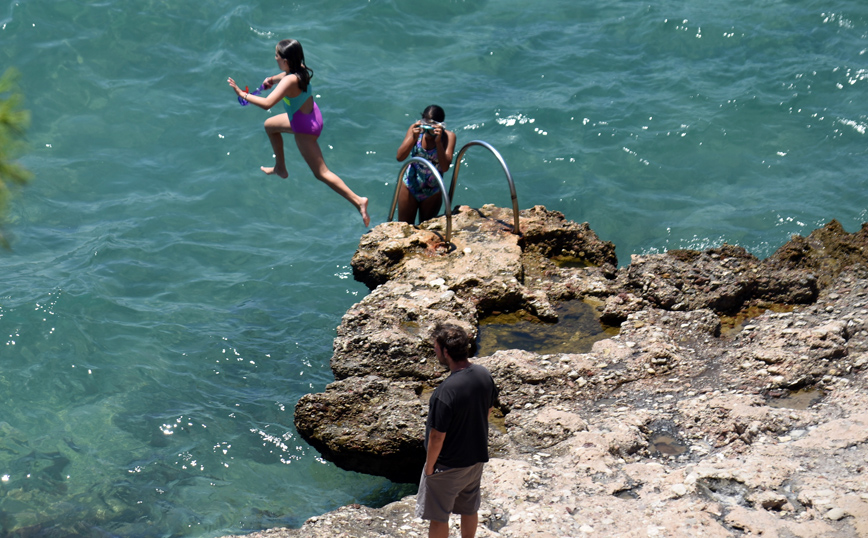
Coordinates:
[303,123]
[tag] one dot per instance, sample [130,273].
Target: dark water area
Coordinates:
[577,329]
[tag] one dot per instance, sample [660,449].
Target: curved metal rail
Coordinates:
[490,148]
[446,197]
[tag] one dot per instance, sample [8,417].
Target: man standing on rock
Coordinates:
[456,437]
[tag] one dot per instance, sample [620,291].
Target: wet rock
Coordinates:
[418,281]
[369,423]
[826,252]
[725,279]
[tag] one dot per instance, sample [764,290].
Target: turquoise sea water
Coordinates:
[164,305]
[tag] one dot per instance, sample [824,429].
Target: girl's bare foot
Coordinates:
[275,171]
[363,209]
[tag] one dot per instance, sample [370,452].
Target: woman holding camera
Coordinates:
[302,119]
[429,139]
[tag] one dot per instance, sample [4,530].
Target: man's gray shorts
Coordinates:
[451,491]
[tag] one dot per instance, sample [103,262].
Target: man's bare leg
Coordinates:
[468,525]
[438,529]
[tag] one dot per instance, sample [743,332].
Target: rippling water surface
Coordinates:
[165,305]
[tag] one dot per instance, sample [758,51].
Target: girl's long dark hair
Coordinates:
[291,51]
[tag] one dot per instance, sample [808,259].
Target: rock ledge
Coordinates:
[732,402]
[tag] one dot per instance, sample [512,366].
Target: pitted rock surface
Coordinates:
[710,345]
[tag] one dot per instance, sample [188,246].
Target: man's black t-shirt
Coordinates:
[459,408]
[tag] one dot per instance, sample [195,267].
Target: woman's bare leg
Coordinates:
[407,205]
[310,150]
[274,126]
[429,207]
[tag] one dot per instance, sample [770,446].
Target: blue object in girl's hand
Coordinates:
[257,91]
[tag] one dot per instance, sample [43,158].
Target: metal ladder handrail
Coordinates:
[516,229]
[446,197]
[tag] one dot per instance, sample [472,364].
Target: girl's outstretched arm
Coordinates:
[283,88]
[273,79]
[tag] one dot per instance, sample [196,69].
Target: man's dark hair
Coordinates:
[452,339]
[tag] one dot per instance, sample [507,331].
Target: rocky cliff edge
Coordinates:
[729,400]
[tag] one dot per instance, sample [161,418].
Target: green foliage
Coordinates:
[13,123]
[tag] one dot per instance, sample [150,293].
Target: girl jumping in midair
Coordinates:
[302,119]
